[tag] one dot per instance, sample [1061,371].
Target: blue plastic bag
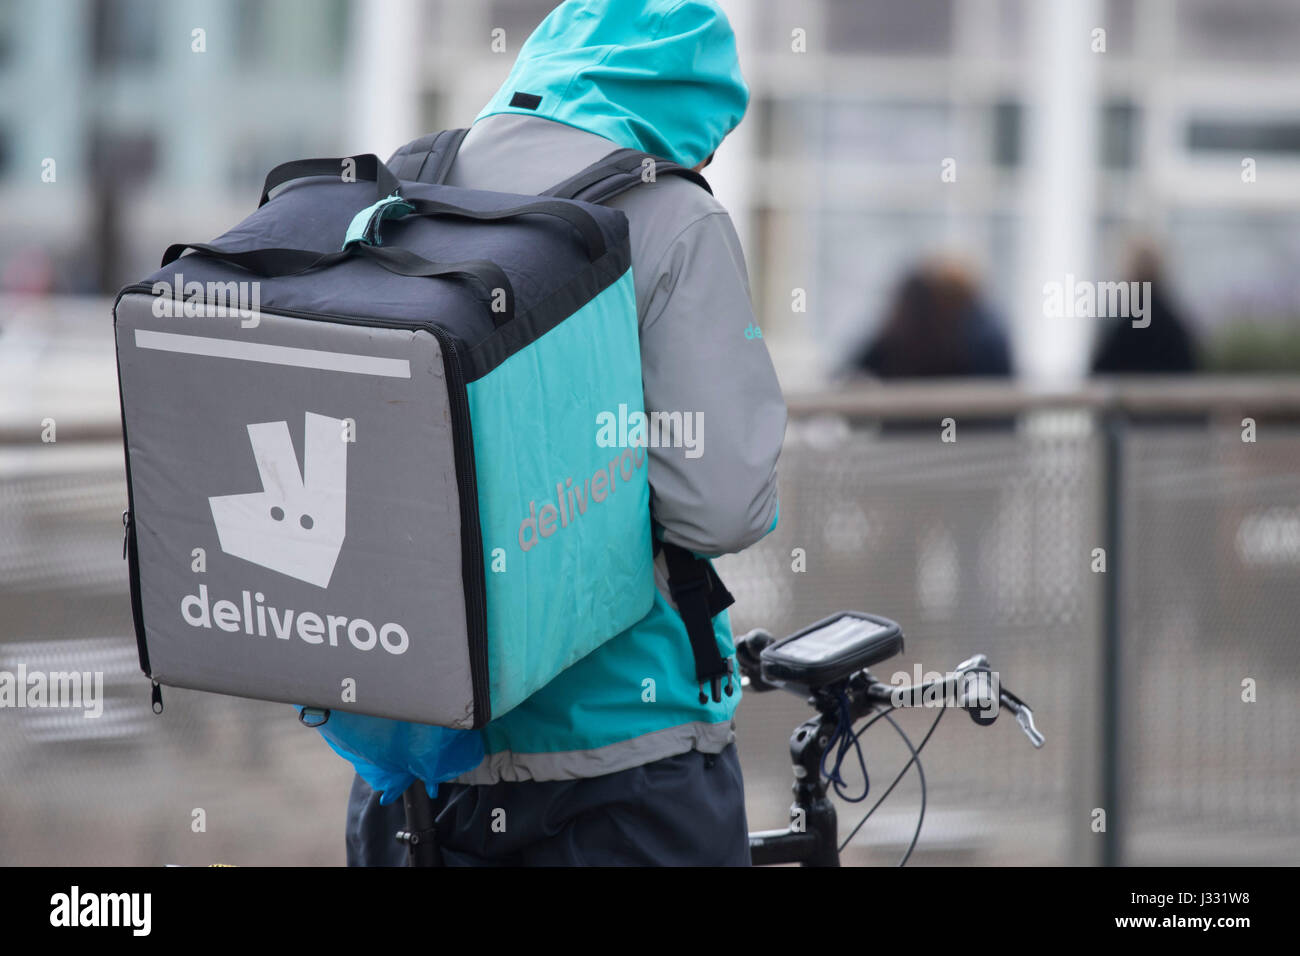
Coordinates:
[390,755]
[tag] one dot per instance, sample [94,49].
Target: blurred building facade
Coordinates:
[159,118]
[835,181]
[836,178]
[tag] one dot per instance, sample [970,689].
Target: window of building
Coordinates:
[124,33]
[1244,136]
[889,27]
[1119,135]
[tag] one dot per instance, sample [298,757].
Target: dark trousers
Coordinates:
[686,810]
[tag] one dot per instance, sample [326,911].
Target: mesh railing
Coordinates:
[982,544]
[1210,602]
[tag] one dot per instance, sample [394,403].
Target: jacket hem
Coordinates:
[511,767]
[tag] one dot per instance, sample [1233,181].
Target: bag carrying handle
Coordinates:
[288,262]
[577,217]
[368,166]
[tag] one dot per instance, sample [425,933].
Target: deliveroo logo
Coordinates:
[295,524]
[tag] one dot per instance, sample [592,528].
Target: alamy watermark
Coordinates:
[978,689]
[624,429]
[75,908]
[77,690]
[181,299]
[1083,299]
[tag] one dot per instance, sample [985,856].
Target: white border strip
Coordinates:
[273,354]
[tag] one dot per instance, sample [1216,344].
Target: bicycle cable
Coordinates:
[841,741]
[915,758]
[920,819]
[450,803]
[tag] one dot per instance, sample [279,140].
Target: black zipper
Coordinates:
[471,544]
[466,483]
[130,547]
[130,554]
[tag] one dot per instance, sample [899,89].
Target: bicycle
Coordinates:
[826,663]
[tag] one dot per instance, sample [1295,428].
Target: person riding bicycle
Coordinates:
[624,758]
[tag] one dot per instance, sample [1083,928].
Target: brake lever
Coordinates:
[972,663]
[1024,717]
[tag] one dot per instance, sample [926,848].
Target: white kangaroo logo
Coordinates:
[295,525]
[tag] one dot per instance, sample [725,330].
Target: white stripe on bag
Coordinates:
[273,354]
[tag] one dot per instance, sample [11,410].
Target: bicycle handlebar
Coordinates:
[866,694]
[897,696]
[831,671]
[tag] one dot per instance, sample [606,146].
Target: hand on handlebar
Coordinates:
[748,648]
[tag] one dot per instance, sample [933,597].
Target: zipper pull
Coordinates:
[126,531]
[155,698]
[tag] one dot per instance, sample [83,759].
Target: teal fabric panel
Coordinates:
[364,227]
[605,698]
[565,521]
[661,76]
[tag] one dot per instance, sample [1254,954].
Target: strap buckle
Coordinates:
[700,595]
[715,684]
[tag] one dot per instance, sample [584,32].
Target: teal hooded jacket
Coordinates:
[661,76]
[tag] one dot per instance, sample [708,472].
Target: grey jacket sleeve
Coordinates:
[702,356]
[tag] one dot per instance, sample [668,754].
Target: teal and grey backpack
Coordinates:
[364,468]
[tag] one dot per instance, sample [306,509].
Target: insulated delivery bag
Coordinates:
[363,464]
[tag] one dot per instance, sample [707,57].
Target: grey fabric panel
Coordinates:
[575,764]
[692,292]
[725,498]
[198,474]
[527,153]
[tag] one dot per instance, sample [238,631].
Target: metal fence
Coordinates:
[986,543]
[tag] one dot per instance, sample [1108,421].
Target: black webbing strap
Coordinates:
[617,173]
[699,595]
[288,262]
[577,217]
[429,158]
[366,166]
[408,162]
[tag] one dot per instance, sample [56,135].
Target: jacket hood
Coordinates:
[661,76]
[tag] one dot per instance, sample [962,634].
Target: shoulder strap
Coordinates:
[699,595]
[427,159]
[617,173]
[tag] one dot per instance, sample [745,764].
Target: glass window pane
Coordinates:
[888,26]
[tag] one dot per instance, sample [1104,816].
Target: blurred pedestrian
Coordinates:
[938,326]
[1163,346]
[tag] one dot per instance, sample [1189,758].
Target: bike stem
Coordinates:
[812,838]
